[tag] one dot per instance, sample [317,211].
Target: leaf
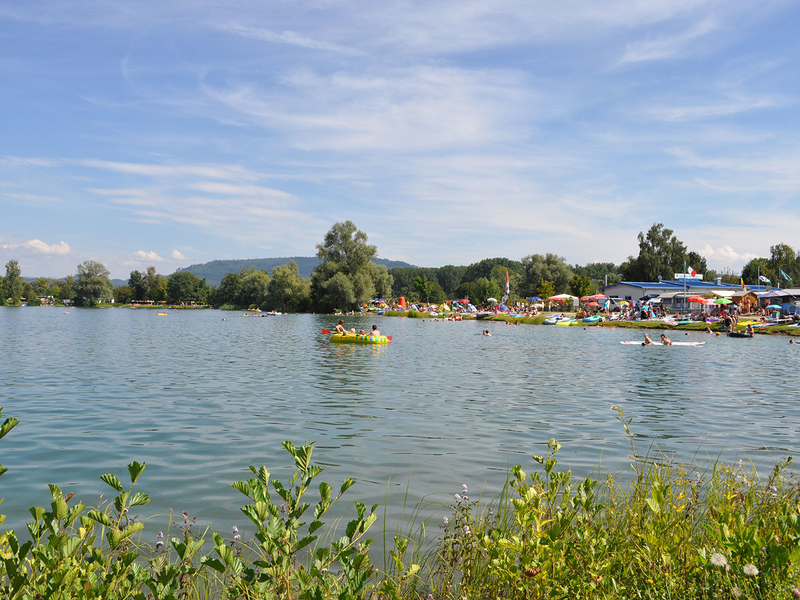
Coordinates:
[213,563]
[325,491]
[304,542]
[654,506]
[139,498]
[314,526]
[346,485]
[7,425]
[100,517]
[242,487]
[135,469]
[112,480]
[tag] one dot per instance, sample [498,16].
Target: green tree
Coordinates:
[423,287]
[255,287]
[67,288]
[288,292]
[498,275]
[29,293]
[185,287]
[382,281]
[92,284]
[436,294]
[784,258]
[581,285]
[137,285]
[549,267]
[12,282]
[483,289]
[229,289]
[42,286]
[450,277]
[123,294]
[751,269]
[546,289]
[660,253]
[698,263]
[155,285]
[344,277]
[484,268]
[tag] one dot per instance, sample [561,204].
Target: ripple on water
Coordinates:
[199,399]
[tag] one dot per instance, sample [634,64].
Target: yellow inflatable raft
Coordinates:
[359,339]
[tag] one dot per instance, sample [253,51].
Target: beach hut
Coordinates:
[745,299]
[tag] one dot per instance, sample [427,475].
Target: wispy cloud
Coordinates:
[727,257]
[664,47]
[177,255]
[288,37]
[724,108]
[148,256]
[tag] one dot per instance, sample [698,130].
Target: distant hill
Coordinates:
[214,271]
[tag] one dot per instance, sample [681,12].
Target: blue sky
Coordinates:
[172,133]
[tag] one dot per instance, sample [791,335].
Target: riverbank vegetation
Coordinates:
[661,530]
[346,277]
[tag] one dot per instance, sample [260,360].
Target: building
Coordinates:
[671,292]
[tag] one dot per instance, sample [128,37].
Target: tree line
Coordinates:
[347,277]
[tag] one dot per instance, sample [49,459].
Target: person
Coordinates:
[750,331]
[647,340]
[665,340]
[791,342]
[708,330]
[375,332]
[340,328]
[361,332]
[486,332]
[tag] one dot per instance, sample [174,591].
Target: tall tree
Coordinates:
[581,285]
[549,267]
[423,287]
[344,278]
[137,284]
[185,287]
[93,284]
[12,283]
[751,270]
[660,253]
[255,287]
[784,259]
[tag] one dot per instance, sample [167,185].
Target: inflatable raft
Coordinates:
[359,339]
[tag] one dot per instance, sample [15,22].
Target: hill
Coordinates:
[214,271]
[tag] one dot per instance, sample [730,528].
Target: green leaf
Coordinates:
[7,425]
[314,526]
[139,498]
[135,469]
[213,563]
[100,517]
[112,480]
[70,546]
[242,487]
[304,542]
[325,491]
[346,485]
[654,506]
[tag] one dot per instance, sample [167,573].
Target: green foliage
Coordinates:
[12,283]
[254,287]
[346,277]
[479,291]
[92,285]
[660,254]
[549,267]
[123,294]
[581,285]
[288,292]
[423,287]
[546,289]
[186,287]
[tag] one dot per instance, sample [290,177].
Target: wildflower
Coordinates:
[446,521]
[773,489]
[430,597]
[466,530]
[159,545]
[160,535]
[751,570]
[324,570]
[795,592]
[737,592]
[457,497]
[235,529]
[464,489]
[185,517]
[719,560]
[237,537]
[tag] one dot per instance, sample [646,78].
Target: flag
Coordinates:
[689,270]
[764,279]
[785,276]
[743,288]
[508,290]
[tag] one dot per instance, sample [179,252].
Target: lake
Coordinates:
[200,395]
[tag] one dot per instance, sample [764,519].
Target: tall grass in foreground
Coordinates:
[669,533]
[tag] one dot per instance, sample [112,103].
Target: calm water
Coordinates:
[199,399]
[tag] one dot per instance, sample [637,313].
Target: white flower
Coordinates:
[457,497]
[446,521]
[737,592]
[751,570]
[464,489]
[466,530]
[718,560]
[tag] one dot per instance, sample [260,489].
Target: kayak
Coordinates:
[359,339]
[593,319]
[637,343]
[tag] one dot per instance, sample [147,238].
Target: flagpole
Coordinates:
[685,272]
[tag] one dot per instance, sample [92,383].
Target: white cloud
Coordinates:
[148,256]
[177,255]
[725,257]
[665,47]
[40,247]
[288,37]
[722,108]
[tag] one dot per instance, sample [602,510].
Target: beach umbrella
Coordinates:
[592,304]
[696,299]
[493,300]
[585,298]
[534,299]
[625,302]
[774,307]
[597,297]
[464,301]
[723,301]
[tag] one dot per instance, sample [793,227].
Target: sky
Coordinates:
[172,133]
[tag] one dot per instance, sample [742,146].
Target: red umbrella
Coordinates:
[593,304]
[465,301]
[597,297]
[586,298]
[696,299]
